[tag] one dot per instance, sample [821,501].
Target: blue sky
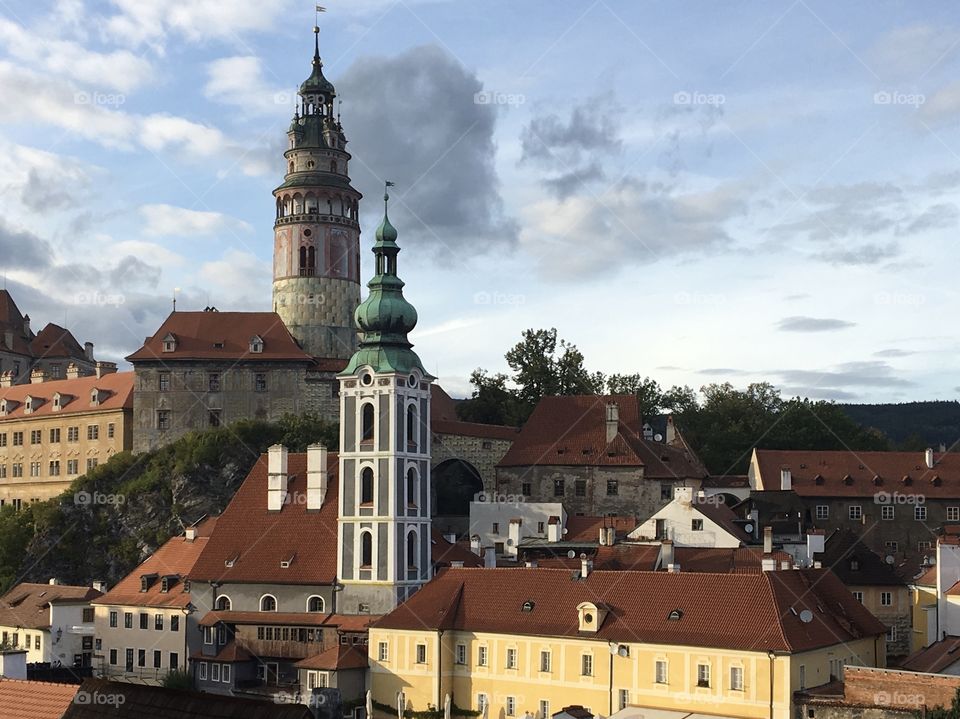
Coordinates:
[698,192]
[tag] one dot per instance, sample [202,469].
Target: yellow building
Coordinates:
[924,596]
[538,640]
[51,432]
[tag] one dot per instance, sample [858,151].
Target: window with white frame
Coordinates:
[886,599]
[920,513]
[203,670]
[544,709]
[887,511]
[892,633]
[461,654]
[225,676]
[736,678]
[623,698]
[703,675]
[511,658]
[660,671]
[953,514]
[481,702]
[858,596]
[511,706]
[544,660]
[481,656]
[855,512]
[421,654]
[383,654]
[586,665]
[823,511]
[214,672]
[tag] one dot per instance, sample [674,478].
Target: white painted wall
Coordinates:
[678,517]
[483,515]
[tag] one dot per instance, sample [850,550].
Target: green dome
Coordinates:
[317,83]
[386,312]
[386,233]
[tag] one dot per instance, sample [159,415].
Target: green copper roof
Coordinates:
[385,318]
[317,83]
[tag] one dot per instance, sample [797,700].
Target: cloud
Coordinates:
[236,280]
[562,186]
[239,81]
[866,254]
[848,374]
[413,119]
[168,220]
[812,324]
[22,250]
[913,50]
[936,217]
[893,353]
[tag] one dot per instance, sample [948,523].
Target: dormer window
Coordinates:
[854,564]
[60,401]
[527,606]
[256,345]
[936,480]
[7,406]
[31,403]
[675,616]
[97,396]
[146,580]
[818,479]
[167,582]
[170,343]
[591,616]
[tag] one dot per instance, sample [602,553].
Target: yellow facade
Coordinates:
[614,679]
[924,602]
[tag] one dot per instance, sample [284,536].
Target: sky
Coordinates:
[694,191]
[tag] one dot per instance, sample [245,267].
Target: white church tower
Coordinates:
[383,547]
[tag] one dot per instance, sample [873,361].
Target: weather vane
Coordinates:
[386,194]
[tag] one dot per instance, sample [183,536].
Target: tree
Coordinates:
[492,402]
[177,679]
[539,371]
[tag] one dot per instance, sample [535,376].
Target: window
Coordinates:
[175,623]
[511,658]
[315,604]
[144,620]
[623,698]
[174,661]
[660,671]
[366,423]
[87,615]
[55,435]
[3,439]
[34,469]
[113,618]
[953,514]
[213,381]
[213,418]
[855,512]
[366,550]
[544,661]
[73,467]
[163,419]
[157,658]
[141,657]
[887,511]
[481,656]
[54,468]
[823,511]
[214,672]
[803,677]
[461,657]
[18,439]
[922,546]
[858,596]
[73,434]
[92,462]
[268,603]
[613,487]
[920,513]
[411,426]
[558,488]
[421,654]
[511,706]
[164,378]
[93,431]
[36,436]
[892,633]
[886,599]
[3,471]
[736,679]
[128,620]
[526,489]
[383,653]
[17,469]
[113,657]
[411,487]
[226,674]
[891,546]
[580,488]
[544,709]
[366,485]
[208,635]
[696,525]
[203,670]
[158,622]
[260,382]
[586,665]
[222,604]
[666,492]
[111,430]
[703,675]
[495,528]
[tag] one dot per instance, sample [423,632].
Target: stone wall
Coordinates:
[318,311]
[482,453]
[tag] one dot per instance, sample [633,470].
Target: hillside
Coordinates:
[911,425]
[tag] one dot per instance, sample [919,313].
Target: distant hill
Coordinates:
[911,425]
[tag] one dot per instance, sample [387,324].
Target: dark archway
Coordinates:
[456,483]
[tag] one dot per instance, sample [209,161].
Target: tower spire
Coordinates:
[316,34]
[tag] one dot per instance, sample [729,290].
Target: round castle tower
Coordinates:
[316,256]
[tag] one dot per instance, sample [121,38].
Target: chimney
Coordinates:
[6,379]
[673,568]
[316,476]
[786,564]
[513,539]
[103,368]
[489,558]
[99,585]
[586,566]
[531,564]
[786,479]
[603,536]
[684,495]
[671,431]
[456,564]
[53,580]
[26,326]
[554,530]
[666,553]
[190,534]
[88,350]
[38,376]
[73,371]
[613,421]
[475,544]
[611,536]
[768,540]
[928,456]
[276,477]
[768,563]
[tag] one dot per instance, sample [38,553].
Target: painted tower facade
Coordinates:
[316,257]
[384,515]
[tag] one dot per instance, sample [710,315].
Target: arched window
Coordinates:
[366,549]
[366,422]
[303,260]
[411,550]
[311,260]
[366,485]
[315,604]
[268,603]
[291,166]
[223,603]
[412,426]
[411,487]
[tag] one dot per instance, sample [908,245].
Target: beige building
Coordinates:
[51,432]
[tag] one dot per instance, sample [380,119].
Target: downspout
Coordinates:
[440,669]
[610,692]
[770,654]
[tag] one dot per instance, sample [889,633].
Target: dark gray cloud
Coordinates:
[872,373]
[567,184]
[42,193]
[21,250]
[799,323]
[870,253]
[413,119]
[893,353]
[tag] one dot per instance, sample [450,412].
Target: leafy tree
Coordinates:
[648,392]
[177,679]
[492,402]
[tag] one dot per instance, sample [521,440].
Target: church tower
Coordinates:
[383,548]
[316,256]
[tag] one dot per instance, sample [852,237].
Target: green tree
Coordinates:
[539,370]
[492,402]
[177,679]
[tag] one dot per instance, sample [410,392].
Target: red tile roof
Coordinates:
[256,540]
[587,529]
[856,564]
[177,556]
[643,557]
[757,612]
[473,429]
[340,656]
[118,389]
[934,658]
[54,342]
[861,474]
[442,405]
[928,578]
[571,431]
[27,605]
[722,481]
[21,699]
[230,652]
[444,552]
[343,622]
[198,334]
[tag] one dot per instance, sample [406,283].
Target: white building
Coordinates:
[505,521]
[693,520]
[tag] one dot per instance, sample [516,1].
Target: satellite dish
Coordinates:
[748,528]
[889,559]
[623,650]
[658,437]
[583,555]
[571,554]
[806,616]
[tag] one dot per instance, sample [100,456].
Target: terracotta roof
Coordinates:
[861,474]
[141,701]
[222,335]
[11,319]
[721,481]
[442,405]
[643,557]
[444,552]
[587,529]
[934,658]
[54,341]
[571,431]
[855,563]
[721,515]
[255,541]
[28,605]
[230,652]
[118,387]
[928,578]
[340,656]
[472,429]
[736,611]
[343,622]
[177,557]
[21,699]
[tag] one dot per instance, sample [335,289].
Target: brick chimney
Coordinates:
[613,421]
[276,477]
[316,476]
